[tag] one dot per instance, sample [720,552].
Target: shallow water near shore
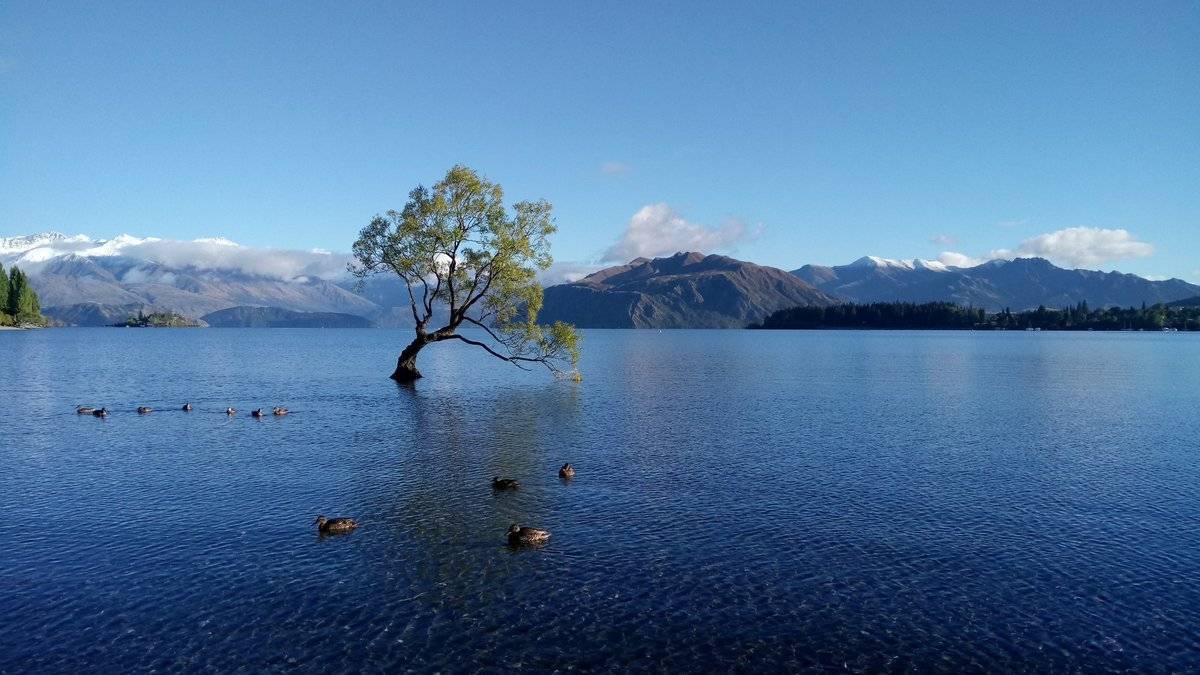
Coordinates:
[744,501]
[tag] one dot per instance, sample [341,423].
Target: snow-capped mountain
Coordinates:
[90,281]
[875,262]
[1023,283]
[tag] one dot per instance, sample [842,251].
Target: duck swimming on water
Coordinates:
[231,411]
[335,525]
[143,409]
[84,410]
[499,483]
[103,412]
[257,412]
[187,407]
[526,536]
[567,471]
[279,411]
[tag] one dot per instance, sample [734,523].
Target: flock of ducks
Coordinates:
[517,535]
[277,411]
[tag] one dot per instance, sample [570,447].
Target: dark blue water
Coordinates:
[744,501]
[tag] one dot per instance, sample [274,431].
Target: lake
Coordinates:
[745,501]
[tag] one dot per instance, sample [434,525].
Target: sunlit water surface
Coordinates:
[744,501]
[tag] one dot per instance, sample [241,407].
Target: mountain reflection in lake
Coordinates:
[744,501]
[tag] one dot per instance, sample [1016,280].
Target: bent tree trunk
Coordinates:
[406,365]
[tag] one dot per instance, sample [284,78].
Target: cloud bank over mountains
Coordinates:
[1075,247]
[208,254]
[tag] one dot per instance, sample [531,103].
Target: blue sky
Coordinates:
[784,133]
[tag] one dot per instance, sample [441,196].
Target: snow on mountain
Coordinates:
[211,254]
[10,246]
[1021,283]
[76,275]
[874,261]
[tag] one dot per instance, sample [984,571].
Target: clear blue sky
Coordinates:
[840,129]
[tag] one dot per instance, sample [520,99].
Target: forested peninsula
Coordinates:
[950,316]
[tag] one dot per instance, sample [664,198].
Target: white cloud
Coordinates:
[953,259]
[1085,246]
[657,229]
[1088,247]
[565,272]
[200,254]
[615,168]
[943,240]
[276,263]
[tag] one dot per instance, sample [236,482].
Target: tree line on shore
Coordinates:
[950,316]
[19,304]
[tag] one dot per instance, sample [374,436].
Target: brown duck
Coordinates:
[567,471]
[144,409]
[499,483]
[526,536]
[335,525]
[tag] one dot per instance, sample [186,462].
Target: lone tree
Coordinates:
[461,253]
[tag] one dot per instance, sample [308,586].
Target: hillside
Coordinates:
[277,317]
[686,290]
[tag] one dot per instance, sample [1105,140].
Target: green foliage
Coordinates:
[945,315]
[21,301]
[3,291]
[458,248]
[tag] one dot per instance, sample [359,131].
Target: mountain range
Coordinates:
[87,282]
[1019,284]
[90,282]
[686,290]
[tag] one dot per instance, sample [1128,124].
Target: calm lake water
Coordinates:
[744,501]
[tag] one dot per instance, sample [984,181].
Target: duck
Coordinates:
[499,483]
[231,411]
[143,409]
[279,411]
[103,412]
[84,410]
[257,412]
[567,471]
[526,536]
[187,407]
[335,525]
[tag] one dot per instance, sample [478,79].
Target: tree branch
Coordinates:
[515,360]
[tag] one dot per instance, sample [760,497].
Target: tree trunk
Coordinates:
[406,365]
